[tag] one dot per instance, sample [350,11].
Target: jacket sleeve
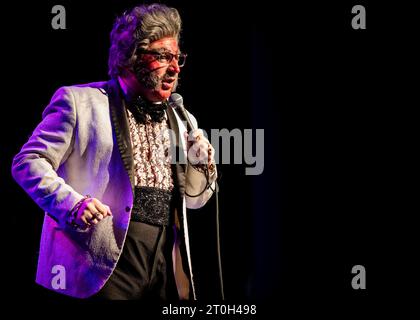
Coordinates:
[196,182]
[35,167]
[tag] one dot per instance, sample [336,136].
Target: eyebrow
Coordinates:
[163,50]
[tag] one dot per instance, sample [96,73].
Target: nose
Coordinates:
[174,66]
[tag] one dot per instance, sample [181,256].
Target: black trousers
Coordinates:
[144,270]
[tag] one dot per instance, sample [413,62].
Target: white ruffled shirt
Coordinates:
[152,159]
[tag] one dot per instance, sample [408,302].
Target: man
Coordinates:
[101,164]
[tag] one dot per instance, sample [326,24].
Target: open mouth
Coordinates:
[167,83]
[168,80]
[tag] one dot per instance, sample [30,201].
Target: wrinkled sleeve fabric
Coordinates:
[35,166]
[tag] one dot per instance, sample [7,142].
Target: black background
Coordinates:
[335,107]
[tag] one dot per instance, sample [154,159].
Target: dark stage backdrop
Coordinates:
[329,99]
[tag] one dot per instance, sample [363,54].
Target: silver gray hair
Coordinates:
[138,28]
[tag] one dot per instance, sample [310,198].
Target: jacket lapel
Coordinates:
[182,257]
[180,165]
[120,125]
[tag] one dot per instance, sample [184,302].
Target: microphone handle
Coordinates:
[185,116]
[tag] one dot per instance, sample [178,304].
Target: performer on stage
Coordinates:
[101,165]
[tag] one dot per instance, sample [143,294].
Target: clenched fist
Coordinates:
[91,212]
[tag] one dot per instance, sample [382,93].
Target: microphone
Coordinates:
[176,102]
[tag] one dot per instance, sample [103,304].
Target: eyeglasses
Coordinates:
[167,57]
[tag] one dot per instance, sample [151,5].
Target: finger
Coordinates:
[100,208]
[87,215]
[197,135]
[85,221]
[99,216]
[94,221]
[203,145]
[204,151]
[93,213]
[204,148]
[187,140]
[202,156]
[192,155]
[199,145]
[211,149]
[108,210]
[91,207]
[210,153]
[90,217]
[204,139]
[204,159]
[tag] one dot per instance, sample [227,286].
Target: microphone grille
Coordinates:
[175,100]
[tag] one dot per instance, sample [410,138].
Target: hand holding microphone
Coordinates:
[199,149]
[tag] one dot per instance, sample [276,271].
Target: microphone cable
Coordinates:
[219,256]
[218,250]
[177,105]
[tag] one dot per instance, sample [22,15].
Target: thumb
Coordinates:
[108,210]
[188,141]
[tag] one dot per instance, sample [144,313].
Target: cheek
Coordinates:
[152,64]
[149,65]
[156,70]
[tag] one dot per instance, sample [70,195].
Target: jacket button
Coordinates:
[127,209]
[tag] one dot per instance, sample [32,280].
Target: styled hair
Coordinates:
[136,29]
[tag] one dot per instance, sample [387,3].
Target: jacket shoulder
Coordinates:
[79,96]
[87,88]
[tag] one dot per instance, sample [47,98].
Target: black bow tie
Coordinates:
[140,108]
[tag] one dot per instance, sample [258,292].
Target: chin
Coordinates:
[162,95]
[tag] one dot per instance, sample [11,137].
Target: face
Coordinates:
[157,79]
